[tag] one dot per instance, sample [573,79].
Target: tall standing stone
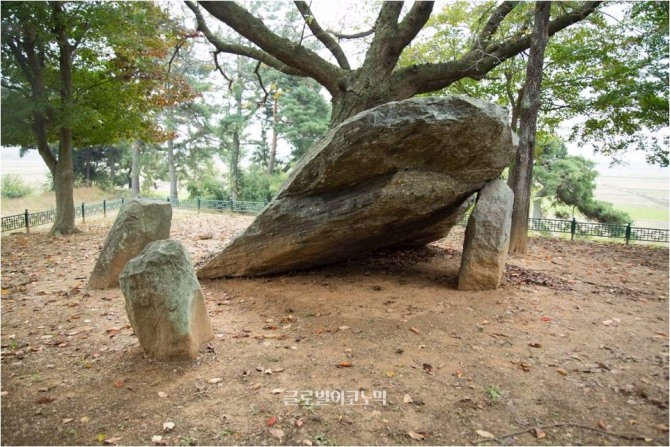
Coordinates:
[138,223]
[164,302]
[396,175]
[487,238]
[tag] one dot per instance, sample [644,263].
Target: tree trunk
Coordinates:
[530,105]
[234,166]
[64,171]
[273,147]
[135,170]
[172,172]
[89,182]
[537,208]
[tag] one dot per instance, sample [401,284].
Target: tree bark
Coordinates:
[135,169]
[273,146]
[64,169]
[530,105]
[172,172]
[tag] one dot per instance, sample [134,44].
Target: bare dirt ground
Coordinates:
[572,349]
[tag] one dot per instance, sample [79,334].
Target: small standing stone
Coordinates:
[487,238]
[138,223]
[164,302]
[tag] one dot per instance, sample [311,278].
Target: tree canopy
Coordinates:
[379,79]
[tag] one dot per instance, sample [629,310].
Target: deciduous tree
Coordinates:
[379,79]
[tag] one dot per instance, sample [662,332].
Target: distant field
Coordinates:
[645,199]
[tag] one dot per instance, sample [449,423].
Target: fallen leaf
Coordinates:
[662,427]
[390,374]
[535,345]
[158,440]
[602,424]
[84,419]
[306,442]
[415,330]
[256,386]
[277,432]
[607,322]
[4,393]
[416,436]
[113,331]
[168,426]
[407,399]
[112,441]
[215,380]
[162,394]
[344,364]
[485,434]
[101,437]
[45,400]
[562,371]
[67,420]
[278,390]
[299,423]
[427,367]
[343,328]
[119,383]
[546,319]
[272,421]
[539,433]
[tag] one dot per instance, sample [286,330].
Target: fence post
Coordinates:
[198,205]
[104,208]
[573,229]
[628,234]
[27,223]
[83,213]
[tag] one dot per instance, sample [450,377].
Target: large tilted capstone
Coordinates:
[487,238]
[397,175]
[164,302]
[138,223]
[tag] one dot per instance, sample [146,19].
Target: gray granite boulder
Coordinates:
[138,223]
[397,175]
[487,238]
[164,302]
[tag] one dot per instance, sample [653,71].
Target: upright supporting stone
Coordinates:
[138,223]
[164,302]
[487,238]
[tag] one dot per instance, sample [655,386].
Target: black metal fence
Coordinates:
[547,226]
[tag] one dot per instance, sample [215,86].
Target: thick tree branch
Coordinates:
[352,36]
[413,22]
[476,63]
[291,54]
[322,35]
[241,50]
[494,22]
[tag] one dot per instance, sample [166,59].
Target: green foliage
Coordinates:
[259,186]
[570,180]
[611,75]
[116,79]
[14,187]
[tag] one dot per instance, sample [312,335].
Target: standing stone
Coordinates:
[397,175]
[164,302]
[138,223]
[487,238]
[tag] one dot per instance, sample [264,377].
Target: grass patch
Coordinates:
[47,200]
[636,213]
